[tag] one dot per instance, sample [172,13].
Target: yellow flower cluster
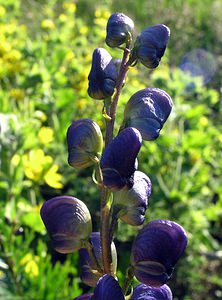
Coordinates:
[30,263]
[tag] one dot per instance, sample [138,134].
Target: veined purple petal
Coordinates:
[132,203]
[151,44]
[108,289]
[147,110]
[118,29]
[68,222]
[85,142]
[89,269]
[156,250]
[119,159]
[102,76]
[145,292]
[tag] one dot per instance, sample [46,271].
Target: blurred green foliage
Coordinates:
[45,58]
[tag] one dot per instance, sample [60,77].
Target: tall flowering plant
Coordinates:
[124,190]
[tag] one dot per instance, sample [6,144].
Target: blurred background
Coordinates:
[45,58]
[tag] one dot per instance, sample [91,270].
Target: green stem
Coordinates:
[128,280]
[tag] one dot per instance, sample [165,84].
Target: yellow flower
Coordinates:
[15,160]
[84,30]
[48,24]
[17,94]
[70,7]
[203,121]
[34,163]
[45,135]
[2,11]
[31,264]
[52,178]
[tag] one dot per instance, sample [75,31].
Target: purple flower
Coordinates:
[147,110]
[156,250]
[89,269]
[119,159]
[102,76]
[68,222]
[131,203]
[108,289]
[145,292]
[85,142]
[119,29]
[150,45]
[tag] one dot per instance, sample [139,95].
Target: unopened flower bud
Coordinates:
[150,45]
[85,142]
[119,159]
[108,288]
[131,203]
[119,29]
[91,267]
[147,110]
[156,250]
[145,292]
[102,76]
[68,222]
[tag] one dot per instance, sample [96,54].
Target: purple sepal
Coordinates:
[108,289]
[156,250]
[84,297]
[119,159]
[151,44]
[68,222]
[119,28]
[131,204]
[89,270]
[147,110]
[102,76]
[145,292]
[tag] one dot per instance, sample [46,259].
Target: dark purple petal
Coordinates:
[108,289]
[119,159]
[84,297]
[118,29]
[102,76]
[145,292]
[68,222]
[85,142]
[131,203]
[156,250]
[89,270]
[151,44]
[147,110]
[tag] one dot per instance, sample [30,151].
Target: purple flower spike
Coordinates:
[145,292]
[85,142]
[147,110]
[89,270]
[84,297]
[102,76]
[151,44]
[119,29]
[156,250]
[119,159]
[108,289]
[68,222]
[131,204]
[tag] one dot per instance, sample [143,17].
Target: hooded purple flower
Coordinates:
[108,289]
[156,250]
[89,270]
[85,142]
[150,45]
[118,30]
[145,292]
[68,222]
[118,161]
[147,110]
[84,297]
[131,203]
[102,76]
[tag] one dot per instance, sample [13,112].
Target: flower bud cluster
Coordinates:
[125,191]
